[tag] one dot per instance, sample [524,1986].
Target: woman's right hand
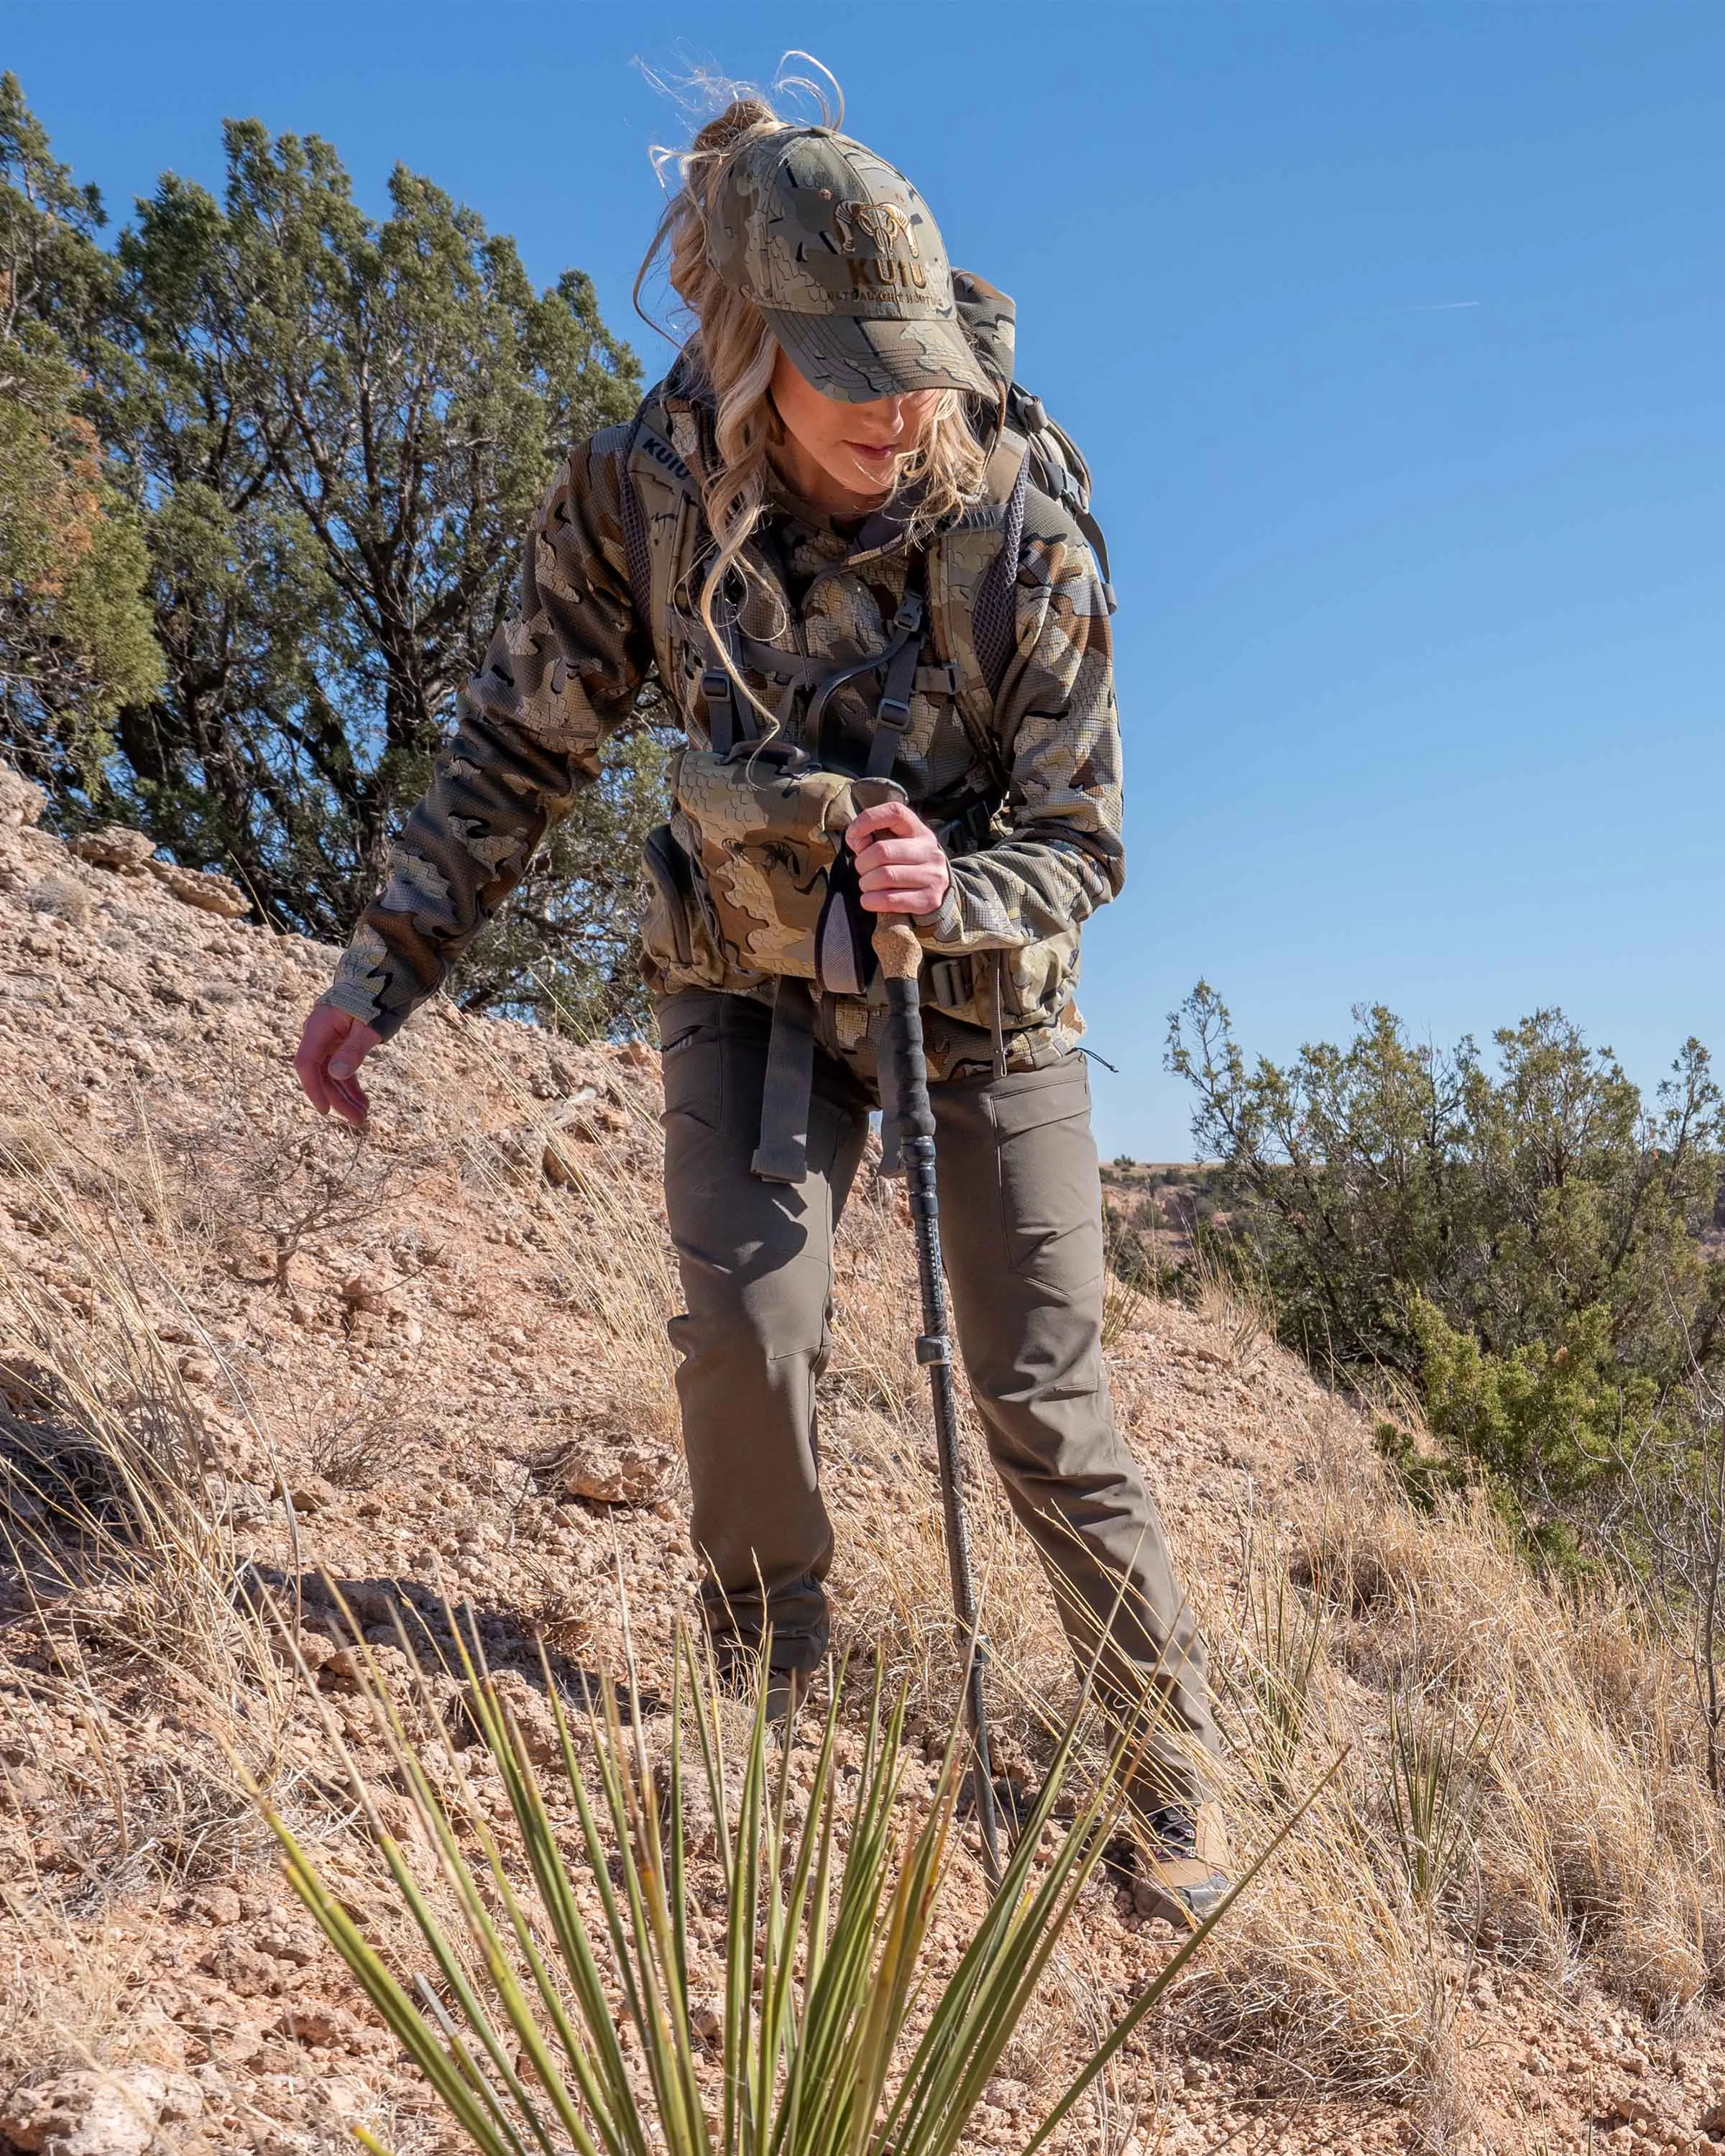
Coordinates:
[331,1049]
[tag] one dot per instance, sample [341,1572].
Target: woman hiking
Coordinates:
[890,651]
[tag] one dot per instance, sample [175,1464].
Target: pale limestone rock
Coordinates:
[100,2114]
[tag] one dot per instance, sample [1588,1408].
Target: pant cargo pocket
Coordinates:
[1050,1199]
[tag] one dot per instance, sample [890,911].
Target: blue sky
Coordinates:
[1393,332]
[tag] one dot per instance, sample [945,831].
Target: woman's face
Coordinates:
[845,455]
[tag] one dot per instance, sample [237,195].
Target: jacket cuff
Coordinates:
[347,996]
[945,925]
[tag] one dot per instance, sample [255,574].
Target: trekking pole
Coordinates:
[900,956]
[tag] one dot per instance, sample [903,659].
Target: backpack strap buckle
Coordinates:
[721,709]
[726,724]
[892,714]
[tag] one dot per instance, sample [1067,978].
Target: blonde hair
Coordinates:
[730,353]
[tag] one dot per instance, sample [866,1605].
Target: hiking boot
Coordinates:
[1183,1864]
[740,1675]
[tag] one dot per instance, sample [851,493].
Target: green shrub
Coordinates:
[1521,1241]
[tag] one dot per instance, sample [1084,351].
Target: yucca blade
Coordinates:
[455,1977]
[456,1872]
[926,2089]
[812,1844]
[578,1956]
[664,2042]
[704,1682]
[603,2074]
[743,1890]
[678,1876]
[485,1936]
[585,2048]
[769,1945]
[663,2028]
[519,2007]
[675,1946]
[399,2015]
[837,2016]
[486,1713]
[461,2051]
[999,2000]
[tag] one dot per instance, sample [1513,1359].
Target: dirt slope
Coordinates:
[433,1365]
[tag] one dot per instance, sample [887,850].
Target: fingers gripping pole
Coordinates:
[900,956]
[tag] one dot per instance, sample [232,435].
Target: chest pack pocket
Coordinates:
[764,825]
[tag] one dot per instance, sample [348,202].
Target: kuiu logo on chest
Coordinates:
[662,454]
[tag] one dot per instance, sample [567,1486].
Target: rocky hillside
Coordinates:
[241,1352]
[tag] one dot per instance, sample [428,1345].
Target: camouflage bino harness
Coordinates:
[755,849]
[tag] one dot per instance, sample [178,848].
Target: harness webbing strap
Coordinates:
[783,1154]
[730,716]
[892,715]
[1098,546]
[789,667]
[896,663]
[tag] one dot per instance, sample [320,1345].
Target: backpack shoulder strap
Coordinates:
[973,589]
[1058,469]
[972,569]
[660,509]
[993,625]
[637,548]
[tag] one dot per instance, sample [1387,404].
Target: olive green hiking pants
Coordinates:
[1021,1234]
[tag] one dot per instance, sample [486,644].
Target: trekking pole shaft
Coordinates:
[901,961]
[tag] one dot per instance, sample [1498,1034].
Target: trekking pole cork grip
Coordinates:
[896,947]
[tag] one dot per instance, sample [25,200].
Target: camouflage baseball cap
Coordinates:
[837,250]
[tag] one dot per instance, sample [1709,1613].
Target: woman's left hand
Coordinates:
[899,861]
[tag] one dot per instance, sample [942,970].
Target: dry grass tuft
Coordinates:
[65,899]
[1238,1308]
[133,1670]
[351,1429]
[1510,1785]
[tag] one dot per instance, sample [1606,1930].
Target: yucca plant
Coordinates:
[1281,1642]
[560,2016]
[1431,1793]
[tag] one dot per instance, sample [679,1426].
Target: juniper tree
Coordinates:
[75,630]
[339,426]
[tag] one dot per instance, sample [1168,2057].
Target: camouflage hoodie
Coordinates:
[564,670]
